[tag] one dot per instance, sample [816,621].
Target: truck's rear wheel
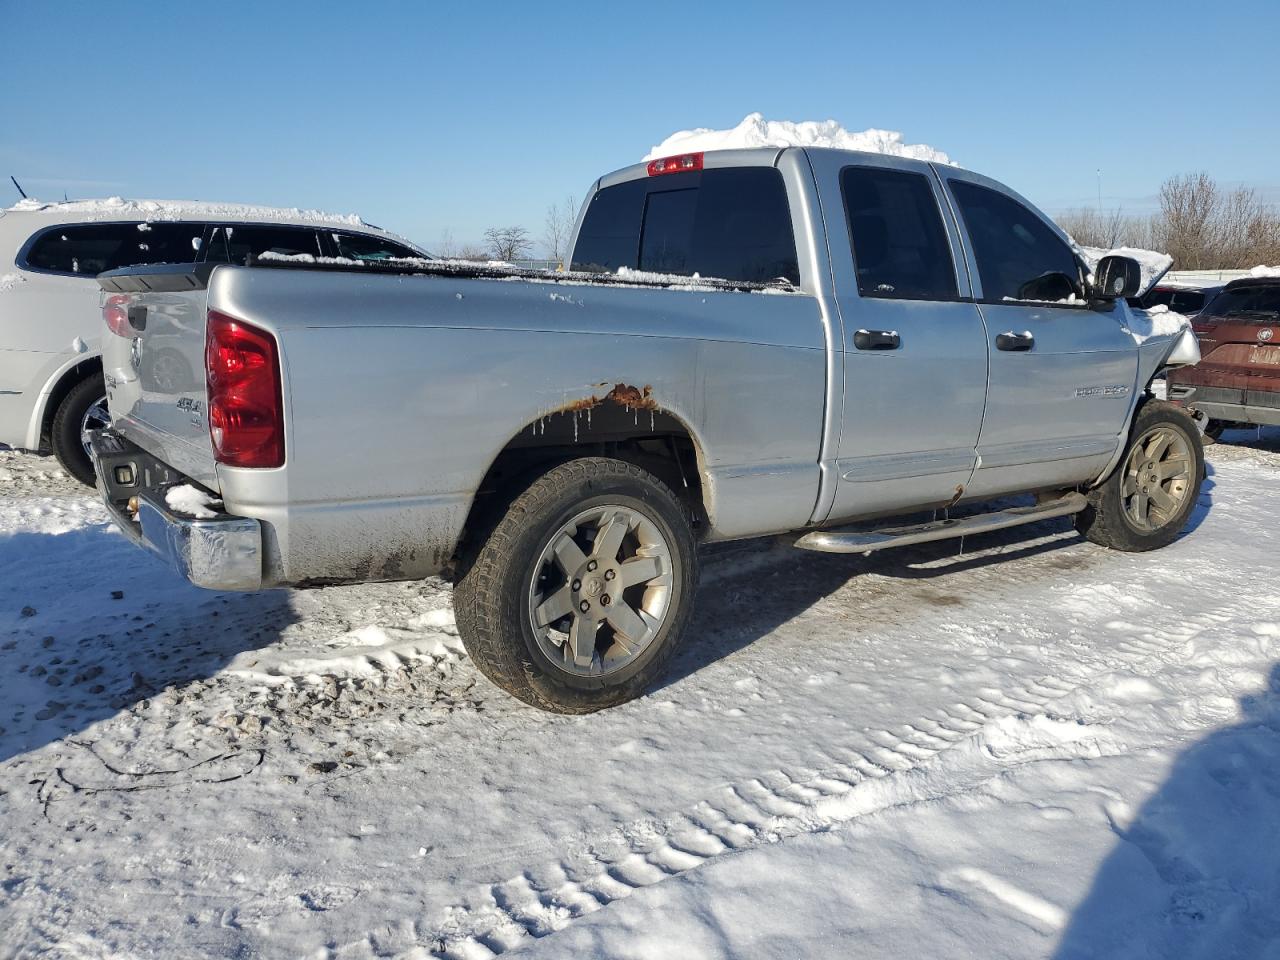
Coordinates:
[82,410]
[579,595]
[1146,501]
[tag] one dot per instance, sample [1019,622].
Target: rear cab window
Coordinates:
[730,223]
[90,248]
[1020,258]
[900,246]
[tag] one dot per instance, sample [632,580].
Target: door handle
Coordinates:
[1015,341]
[877,339]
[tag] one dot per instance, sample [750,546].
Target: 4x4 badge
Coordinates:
[1265,334]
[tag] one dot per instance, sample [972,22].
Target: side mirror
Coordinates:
[1116,277]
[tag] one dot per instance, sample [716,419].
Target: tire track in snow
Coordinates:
[879,769]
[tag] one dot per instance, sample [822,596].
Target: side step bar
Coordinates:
[855,540]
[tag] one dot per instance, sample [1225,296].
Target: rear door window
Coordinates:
[1019,256]
[363,246]
[900,247]
[236,242]
[731,224]
[91,248]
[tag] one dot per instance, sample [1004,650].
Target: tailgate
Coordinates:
[1241,350]
[153,361]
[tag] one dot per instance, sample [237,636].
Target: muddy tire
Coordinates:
[1146,501]
[85,407]
[578,592]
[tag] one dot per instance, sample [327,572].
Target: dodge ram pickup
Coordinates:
[747,343]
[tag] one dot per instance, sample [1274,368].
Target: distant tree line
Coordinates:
[515,242]
[1200,224]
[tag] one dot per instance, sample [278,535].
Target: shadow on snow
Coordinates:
[90,625]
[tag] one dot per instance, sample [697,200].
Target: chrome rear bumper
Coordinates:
[220,553]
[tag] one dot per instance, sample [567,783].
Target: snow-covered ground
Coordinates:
[1022,746]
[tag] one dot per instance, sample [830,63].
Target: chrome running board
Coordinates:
[861,540]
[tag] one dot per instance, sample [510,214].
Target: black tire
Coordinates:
[67,420]
[1105,520]
[492,596]
[1213,429]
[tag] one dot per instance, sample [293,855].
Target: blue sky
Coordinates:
[425,118]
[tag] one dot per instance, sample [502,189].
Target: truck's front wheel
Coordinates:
[1147,500]
[578,596]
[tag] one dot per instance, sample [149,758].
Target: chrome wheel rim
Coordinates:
[95,418]
[601,590]
[1157,478]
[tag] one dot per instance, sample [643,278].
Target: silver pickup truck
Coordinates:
[748,343]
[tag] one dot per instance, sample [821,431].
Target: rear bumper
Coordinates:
[221,553]
[1240,413]
[1229,403]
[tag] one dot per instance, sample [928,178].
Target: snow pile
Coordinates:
[192,502]
[10,280]
[1154,264]
[115,207]
[1159,321]
[1258,271]
[756,131]
[309,258]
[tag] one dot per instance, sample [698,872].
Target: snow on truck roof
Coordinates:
[755,131]
[115,208]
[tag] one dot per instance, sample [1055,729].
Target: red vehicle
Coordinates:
[1237,382]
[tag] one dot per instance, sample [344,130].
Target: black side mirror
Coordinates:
[1116,277]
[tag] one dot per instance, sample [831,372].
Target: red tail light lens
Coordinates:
[680,164]
[246,409]
[116,313]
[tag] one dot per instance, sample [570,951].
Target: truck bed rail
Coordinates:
[195,276]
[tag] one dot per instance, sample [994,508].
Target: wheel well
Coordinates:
[653,439]
[66,383]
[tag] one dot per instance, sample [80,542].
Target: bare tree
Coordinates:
[1186,226]
[1097,228]
[473,251]
[559,228]
[1199,224]
[508,243]
[447,248]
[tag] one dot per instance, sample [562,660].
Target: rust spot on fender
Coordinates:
[959,493]
[622,394]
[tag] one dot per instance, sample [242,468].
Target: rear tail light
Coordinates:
[116,313]
[678,164]
[246,409]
